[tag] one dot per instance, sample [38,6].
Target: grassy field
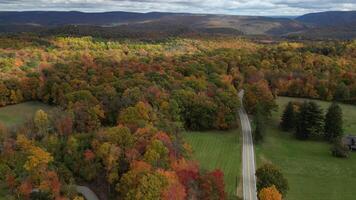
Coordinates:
[220,150]
[17,114]
[312,172]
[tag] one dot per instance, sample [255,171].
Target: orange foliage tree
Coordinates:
[270,193]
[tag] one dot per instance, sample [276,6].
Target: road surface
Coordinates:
[86,192]
[83,190]
[248,156]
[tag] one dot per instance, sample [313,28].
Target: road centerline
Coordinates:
[248,157]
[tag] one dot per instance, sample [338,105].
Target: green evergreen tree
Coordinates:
[316,120]
[310,122]
[301,129]
[288,118]
[333,122]
[259,132]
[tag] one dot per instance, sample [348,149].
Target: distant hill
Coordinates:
[332,18]
[197,22]
[123,24]
[56,18]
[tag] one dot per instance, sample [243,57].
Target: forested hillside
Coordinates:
[312,26]
[158,22]
[124,104]
[331,18]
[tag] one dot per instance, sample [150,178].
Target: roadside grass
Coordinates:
[218,150]
[17,114]
[312,172]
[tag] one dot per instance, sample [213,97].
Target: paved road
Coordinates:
[248,156]
[86,192]
[83,190]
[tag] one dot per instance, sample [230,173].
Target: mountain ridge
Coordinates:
[329,18]
[159,22]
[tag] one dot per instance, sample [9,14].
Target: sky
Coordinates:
[235,7]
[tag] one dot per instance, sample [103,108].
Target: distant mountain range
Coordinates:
[327,19]
[340,24]
[56,18]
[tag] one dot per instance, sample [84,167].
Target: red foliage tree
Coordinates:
[212,185]
[25,189]
[10,181]
[64,125]
[51,183]
[175,190]
[217,177]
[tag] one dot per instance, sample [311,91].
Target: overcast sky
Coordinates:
[237,7]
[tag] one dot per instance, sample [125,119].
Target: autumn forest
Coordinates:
[121,106]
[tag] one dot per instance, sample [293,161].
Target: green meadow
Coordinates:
[312,172]
[17,114]
[219,149]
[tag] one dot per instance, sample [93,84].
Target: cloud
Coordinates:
[238,7]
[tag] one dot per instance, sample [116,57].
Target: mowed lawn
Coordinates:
[17,114]
[312,172]
[218,150]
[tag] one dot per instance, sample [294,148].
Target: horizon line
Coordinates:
[192,13]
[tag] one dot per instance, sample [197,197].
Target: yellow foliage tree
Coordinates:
[13,97]
[37,157]
[41,122]
[270,193]
[110,154]
[78,198]
[157,154]
[136,116]
[3,132]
